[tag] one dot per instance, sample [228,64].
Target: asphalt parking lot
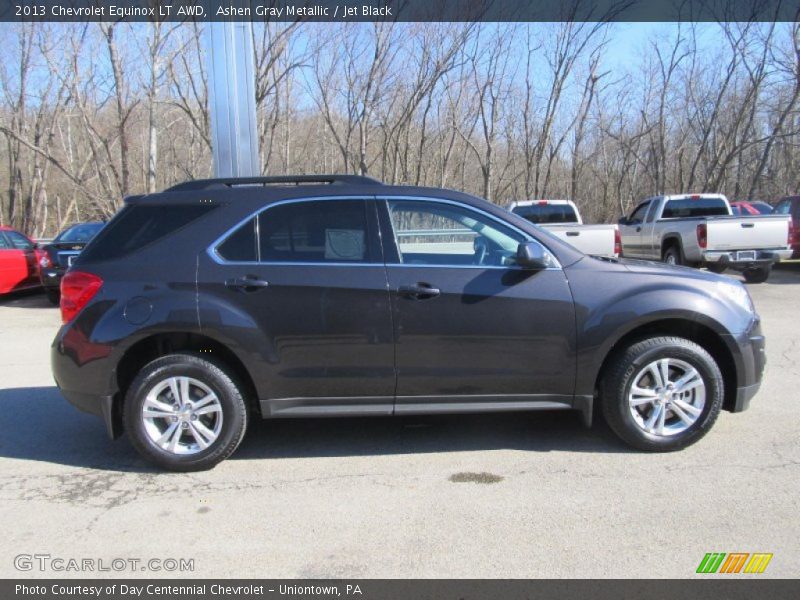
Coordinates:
[530,495]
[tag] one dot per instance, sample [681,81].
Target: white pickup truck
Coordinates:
[700,230]
[561,218]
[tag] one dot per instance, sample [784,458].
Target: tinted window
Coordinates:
[784,207]
[763,208]
[327,230]
[444,234]
[697,207]
[547,213]
[242,245]
[139,225]
[637,216]
[736,210]
[79,233]
[4,244]
[316,231]
[19,241]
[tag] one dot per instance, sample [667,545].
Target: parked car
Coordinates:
[700,230]
[19,269]
[58,255]
[219,301]
[561,217]
[791,206]
[751,208]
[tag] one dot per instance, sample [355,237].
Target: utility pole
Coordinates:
[232,97]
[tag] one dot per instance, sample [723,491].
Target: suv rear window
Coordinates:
[697,207]
[547,213]
[139,225]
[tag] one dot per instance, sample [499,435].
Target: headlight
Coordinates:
[44,262]
[736,293]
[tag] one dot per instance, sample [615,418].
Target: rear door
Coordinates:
[301,289]
[472,330]
[18,267]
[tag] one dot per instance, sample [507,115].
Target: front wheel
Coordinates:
[756,274]
[184,413]
[662,394]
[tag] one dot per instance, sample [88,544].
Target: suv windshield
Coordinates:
[79,233]
[547,213]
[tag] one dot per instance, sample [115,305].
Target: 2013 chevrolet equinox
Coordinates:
[217,301]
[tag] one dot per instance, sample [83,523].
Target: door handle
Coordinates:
[249,283]
[748,225]
[573,233]
[418,291]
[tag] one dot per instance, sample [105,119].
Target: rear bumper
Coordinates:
[735,260]
[51,277]
[751,360]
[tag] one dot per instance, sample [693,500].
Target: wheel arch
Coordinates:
[669,240]
[163,343]
[695,331]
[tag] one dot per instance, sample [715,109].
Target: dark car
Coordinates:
[791,206]
[58,255]
[215,302]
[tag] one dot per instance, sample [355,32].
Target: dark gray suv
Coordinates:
[217,301]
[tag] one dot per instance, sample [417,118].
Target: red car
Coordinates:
[19,261]
[791,206]
[751,207]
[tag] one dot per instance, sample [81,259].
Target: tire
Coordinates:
[716,267]
[219,423]
[54,296]
[672,255]
[757,274]
[631,365]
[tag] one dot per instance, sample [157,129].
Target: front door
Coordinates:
[473,331]
[301,288]
[633,244]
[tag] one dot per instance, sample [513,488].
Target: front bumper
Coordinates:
[751,359]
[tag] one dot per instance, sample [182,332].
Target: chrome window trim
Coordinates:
[214,255]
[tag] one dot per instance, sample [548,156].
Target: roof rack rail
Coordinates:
[205,184]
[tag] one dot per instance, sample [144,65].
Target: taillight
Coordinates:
[702,236]
[77,288]
[617,243]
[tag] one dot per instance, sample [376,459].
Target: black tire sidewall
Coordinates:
[675,251]
[616,407]
[757,275]
[234,413]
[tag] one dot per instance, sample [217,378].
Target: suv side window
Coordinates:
[315,231]
[438,233]
[637,216]
[784,207]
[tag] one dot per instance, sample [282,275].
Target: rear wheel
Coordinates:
[756,274]
[662,394]
[184,413]
[672,255]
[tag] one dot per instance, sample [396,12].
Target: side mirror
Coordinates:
[623,221]
[531,255]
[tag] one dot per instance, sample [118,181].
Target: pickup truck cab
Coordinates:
[562,219]
[701,230]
